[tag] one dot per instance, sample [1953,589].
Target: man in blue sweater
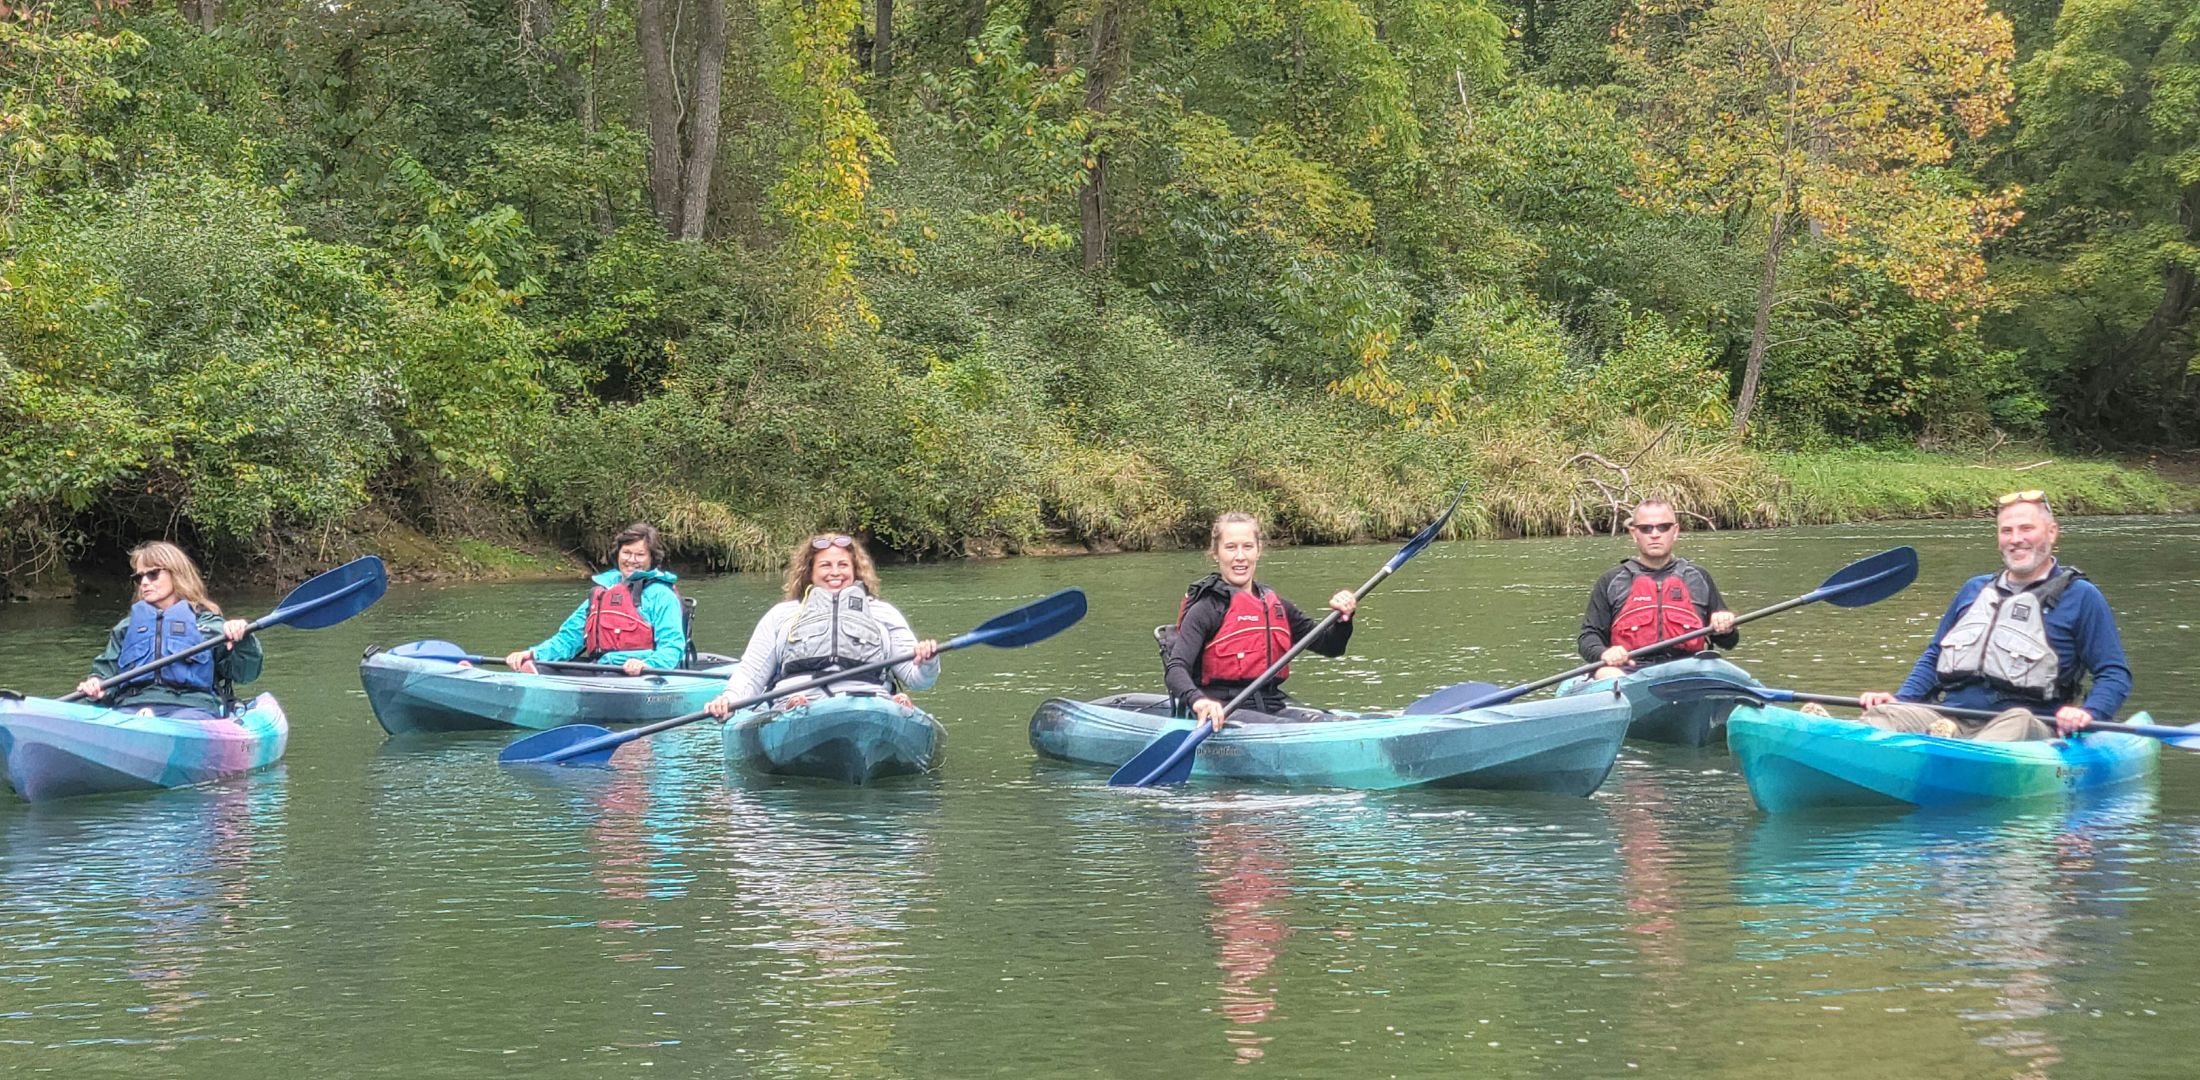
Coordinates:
[2019,641]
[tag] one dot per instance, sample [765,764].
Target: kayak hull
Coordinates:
[1562,746]
[1794,761]
[59,750]
[416,696]
[1680,723]
[848,738]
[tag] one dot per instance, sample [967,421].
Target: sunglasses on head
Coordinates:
[143,576]
[2033,496]
[1655,527]
[823,542]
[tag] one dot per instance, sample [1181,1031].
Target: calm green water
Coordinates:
[408,908]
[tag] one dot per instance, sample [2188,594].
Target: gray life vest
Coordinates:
[835,631]
[2002,640]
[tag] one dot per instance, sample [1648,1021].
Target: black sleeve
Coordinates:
[1332,641]
[1179,669]
[1596,623]
[1710,603]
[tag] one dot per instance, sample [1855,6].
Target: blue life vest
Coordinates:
[153,633]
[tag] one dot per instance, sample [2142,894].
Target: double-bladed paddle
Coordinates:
[588,744]
[1168,759]
[449,652]
[1863,582]
[325,600]
[1699,687]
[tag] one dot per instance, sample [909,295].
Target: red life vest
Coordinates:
[1254,632]
[615,622]
[1657,609]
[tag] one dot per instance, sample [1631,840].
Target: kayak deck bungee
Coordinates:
[416,695]
[1700,722]
[1563,745]
[1795,761]
[850,738]
[59,749]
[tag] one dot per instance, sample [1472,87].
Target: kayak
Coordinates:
[1794,761]
[1562,745]
[60,749]
[1683,723]
[415,696]
[852,738]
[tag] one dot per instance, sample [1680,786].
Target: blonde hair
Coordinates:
[181,570]
[1235,517]
[805,555]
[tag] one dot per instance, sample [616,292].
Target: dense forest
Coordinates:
[282,277]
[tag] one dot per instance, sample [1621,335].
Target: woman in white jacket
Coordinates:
[832,620]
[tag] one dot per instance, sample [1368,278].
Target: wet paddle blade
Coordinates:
[1036,621]
[1450,700]
[1427,535]
[431,649]
[543,744]
[1868,581]
[333,596]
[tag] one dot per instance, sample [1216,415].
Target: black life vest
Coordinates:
[1657,608]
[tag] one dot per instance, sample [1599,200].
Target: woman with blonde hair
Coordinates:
[1229,628]
[173,613]
[831,620]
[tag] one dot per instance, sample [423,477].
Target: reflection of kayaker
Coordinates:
[1245,889]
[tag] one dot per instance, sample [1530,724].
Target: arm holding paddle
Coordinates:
[1330,637]
[238,662]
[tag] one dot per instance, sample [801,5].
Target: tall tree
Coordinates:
[683,119]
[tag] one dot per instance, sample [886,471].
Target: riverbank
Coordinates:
[1516,490]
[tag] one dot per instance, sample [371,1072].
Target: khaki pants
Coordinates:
[2010,725]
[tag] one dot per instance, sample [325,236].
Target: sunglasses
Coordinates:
[143,576]
[823,542]
[1656,527]
[2033,496]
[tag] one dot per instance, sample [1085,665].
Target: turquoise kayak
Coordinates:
[1562,745]
[1683,723]
[415,696]
[1794,761]
[60,749]
[851,738]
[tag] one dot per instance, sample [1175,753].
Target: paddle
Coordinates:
[325,600]
[1168,759]
[451,653]
[1698,687]
[1863,582]
[592,745]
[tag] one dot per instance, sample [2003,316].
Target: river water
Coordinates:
[408,908]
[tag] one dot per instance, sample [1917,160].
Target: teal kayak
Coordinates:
[1700,722]
[59,749]
[1562,745]
[851,738]
[1794,761]
[415,695]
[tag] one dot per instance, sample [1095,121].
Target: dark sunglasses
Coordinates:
[1656,527]
[823,542]
[143,576]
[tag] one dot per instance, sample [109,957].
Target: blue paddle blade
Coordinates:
[332,597]
[544,743]
[431,649]
[1151,758]
[1868,581]
[1450,699]
[1427,535]
[1036,621]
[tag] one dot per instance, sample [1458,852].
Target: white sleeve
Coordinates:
[901,639]
[760,661]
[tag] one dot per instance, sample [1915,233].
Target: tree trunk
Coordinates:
[1102,73]
[702,122]
[661,94]
[199,13]
[882,43]
[1767,283]
[683,132]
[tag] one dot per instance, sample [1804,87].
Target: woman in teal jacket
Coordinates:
[627,619]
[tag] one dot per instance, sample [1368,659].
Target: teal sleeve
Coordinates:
[566,643]
[662,608]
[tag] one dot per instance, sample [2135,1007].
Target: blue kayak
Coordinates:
[60,749]
[1563,745]
[414,695]
[1795,761]
[1700,722]
[851,738]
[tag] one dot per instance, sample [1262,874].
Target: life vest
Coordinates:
[835,631]
[615,620]
[153,633]
[1254,632]
[1657,608]
[2001,639]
